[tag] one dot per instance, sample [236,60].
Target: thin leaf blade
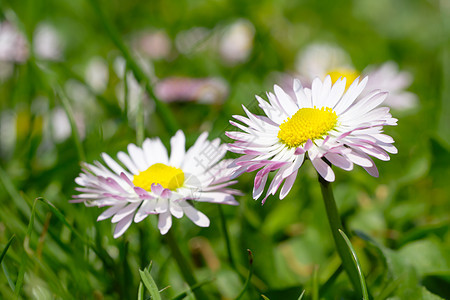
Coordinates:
[362,280]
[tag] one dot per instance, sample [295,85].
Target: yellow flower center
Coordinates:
[350,74]
[305,124]
[169,177]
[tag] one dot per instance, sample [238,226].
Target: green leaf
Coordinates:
[150,284]
[427,295]
[362,280]
[8,277]
[6,247]
[427,256]
[301,295]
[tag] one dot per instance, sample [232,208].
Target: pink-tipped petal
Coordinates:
[323,169]
[122,226]
[288,184]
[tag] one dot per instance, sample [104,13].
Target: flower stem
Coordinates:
[335,224]
[183,265]
[223,222]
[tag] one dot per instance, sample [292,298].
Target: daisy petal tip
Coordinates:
[308,145]
[299,151]
[164,231]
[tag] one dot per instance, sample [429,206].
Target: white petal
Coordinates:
[114,165]
[164,222]
[123,225]
[350,96]
[302,99]
[197,217]
[285,100]
[159,151]
[288,185]
[162,205]
[138,157]
[372,170]
[177,148]
[124,212]
[360,159]
[216,197]
[323,169]
[110,211]
[176,210]
[126,160]
[339,161]
[142,212]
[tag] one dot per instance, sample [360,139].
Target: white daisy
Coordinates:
[320,60]
[324,123]
[389,78]
[153,182]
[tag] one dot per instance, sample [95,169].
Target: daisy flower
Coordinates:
[388,77]
[153,182]
[324,123]
[320,60]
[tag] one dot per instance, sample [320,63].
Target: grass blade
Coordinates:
[73,125]
[20,276]
[194,287]
[14,193]
[335,223]
[6,247]
[8,278]
[362,280]
[101,253]
[150,284]
[301,295]
[161,108]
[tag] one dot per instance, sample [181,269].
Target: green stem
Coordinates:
[73,125]
[161,108]
[335,224]
[223,223]
[183,265]
[140,130]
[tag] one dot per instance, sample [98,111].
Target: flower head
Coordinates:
[320,60]
[153,182]
[324,123]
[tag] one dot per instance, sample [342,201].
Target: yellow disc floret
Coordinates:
[169,177]
[305,124]
[350,74]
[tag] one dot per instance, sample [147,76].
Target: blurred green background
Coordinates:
[68,63]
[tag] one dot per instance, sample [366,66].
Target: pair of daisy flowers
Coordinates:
[328,123]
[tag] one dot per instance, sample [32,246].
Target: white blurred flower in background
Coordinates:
[47,43]
[97,74]
[320,60]
[153,44]
[390,78]
[13,44]
[13,48]
[203,90]
[236,43]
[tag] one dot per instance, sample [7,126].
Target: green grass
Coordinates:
[398,224]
